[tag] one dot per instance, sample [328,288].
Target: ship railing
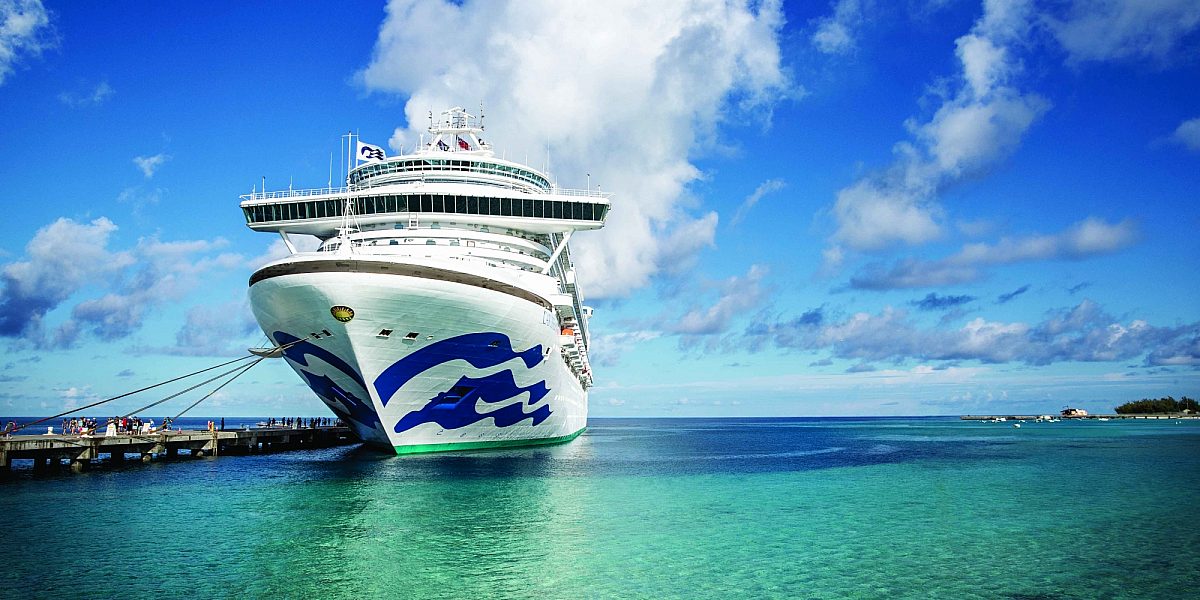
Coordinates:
[294,193]
[587,193]
[325,191]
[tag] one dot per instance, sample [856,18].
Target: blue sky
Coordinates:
[821,208]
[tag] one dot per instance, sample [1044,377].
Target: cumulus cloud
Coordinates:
[768,186]
[67,258]
[1102,30]
[623,91]
[94,97]
[1188,134]
[976,126]
[835,33]
[63,257]
[24,31]
[738,294]
[217,330]
[150,164]
[1083,333]
[164,272]
[607,350]
[1082,240]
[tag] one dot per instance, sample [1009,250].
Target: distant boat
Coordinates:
[1017,425]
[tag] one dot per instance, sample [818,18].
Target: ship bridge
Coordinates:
[452,178]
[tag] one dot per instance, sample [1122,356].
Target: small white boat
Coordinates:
[1017,425]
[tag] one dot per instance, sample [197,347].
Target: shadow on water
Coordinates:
[669,447]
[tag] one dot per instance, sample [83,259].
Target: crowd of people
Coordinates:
[303,422]
[79,425]
[87,426]
[114,426]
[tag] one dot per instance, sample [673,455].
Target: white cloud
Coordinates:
[1188,134]
[979,124]
[835,33]
[965,137]
[1102,30]
[95,97]
[67,258]
[771,185]
[1083,333]
[62,258]
[607,350]
[219,330]
[1082,240]
[150,164]
[737,295]
[878,212]
[624,91]
[24,28]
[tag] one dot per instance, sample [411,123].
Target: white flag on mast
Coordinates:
[369,153]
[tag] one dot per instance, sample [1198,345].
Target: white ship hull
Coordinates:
[484,368]
[440,311]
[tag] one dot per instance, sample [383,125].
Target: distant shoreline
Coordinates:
[1146,416]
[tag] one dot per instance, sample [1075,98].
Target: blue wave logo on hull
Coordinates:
[456,407]
[351,406]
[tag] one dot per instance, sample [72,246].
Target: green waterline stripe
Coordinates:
[449,447]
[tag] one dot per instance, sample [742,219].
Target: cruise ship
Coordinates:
[441,310]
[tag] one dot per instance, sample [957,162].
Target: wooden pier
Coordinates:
[48,451]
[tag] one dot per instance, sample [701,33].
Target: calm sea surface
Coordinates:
[647,508]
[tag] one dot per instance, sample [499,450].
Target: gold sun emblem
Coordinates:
[342,313]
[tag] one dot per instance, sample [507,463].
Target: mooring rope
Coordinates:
[208,395]
[127,394]
[162,383]
[178,394]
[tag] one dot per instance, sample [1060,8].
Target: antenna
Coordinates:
[330,183]
[481,127]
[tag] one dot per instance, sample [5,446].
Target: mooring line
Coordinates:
[19,427]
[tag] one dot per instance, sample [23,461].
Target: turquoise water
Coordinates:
[809,508]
